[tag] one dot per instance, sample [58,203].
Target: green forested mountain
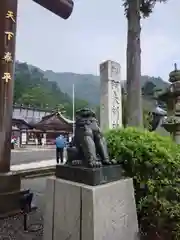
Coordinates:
[88,86]
[32,88]
[49,89]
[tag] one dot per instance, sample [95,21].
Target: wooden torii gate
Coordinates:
[10,183]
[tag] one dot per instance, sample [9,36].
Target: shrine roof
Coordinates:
[14,128]
[56,116]
[54,121]
[21,121]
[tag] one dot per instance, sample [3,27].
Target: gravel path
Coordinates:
[12,228]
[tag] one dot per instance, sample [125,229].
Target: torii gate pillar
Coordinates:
[10,183]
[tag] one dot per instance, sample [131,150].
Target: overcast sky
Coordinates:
[96,32]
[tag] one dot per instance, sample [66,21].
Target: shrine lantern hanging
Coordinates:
[62,8]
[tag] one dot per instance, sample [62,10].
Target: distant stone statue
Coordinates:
[88,147]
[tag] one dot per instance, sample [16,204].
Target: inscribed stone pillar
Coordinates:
[110,99]
[8,13]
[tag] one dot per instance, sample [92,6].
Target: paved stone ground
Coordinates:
[12,228]
[32,155]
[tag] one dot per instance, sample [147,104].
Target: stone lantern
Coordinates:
[172,98]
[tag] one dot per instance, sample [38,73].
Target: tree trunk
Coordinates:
[134,99]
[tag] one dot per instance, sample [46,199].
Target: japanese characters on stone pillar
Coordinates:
[110,95]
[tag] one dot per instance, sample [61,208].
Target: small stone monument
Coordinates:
[110,96]
[89,199]
[172,98]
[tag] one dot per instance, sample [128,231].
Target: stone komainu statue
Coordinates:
[88,147]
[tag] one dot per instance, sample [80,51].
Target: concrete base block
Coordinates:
[10,194]
[76,211]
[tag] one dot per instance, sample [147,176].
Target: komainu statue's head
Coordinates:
[85,113]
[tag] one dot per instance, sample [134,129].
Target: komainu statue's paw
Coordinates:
[94,164]
[98,164]
[106,162]
[113,161]
[76,162]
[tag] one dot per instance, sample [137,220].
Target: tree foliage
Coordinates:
[153,162]
[148,89]
[146,6]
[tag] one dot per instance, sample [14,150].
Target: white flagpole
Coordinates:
[73,99]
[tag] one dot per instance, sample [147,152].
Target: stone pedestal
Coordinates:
[10,193]
[110,99]
[176,133]
[176,137]
[81,212]
[89,176]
